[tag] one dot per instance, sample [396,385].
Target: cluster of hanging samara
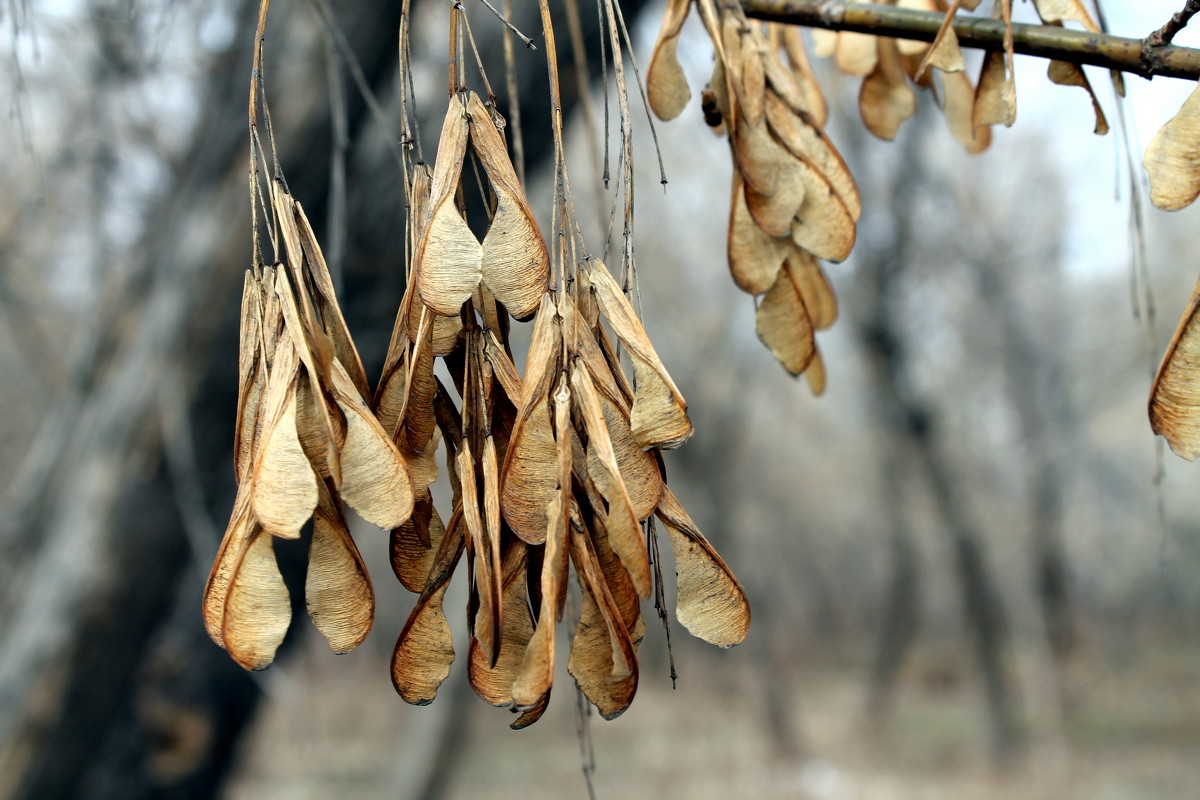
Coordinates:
[554,470]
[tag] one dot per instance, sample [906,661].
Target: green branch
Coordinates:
[1137,56]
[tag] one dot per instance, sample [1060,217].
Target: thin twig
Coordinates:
[1174,25]
[508,24]
[1043,41]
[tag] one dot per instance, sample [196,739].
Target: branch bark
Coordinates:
[1136,56]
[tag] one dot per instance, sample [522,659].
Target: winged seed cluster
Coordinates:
[552,471]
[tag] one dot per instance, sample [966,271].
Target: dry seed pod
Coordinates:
[819,299]
[783,324]
[258,609]
[602,659]
[516,266]
[996,94]
[710,602]
[944,53]
[659,414]
[449,259]
[620,520]
[807,142]
[1065,73]
[666,85]
[959,110]
[806,81]
[1175,398]
[425,649]
[494,682]
[528,479]
[1172,161]
[856,53]
[375,477]
[337,590]
[241,530]
[412,558]
[824,225]
[1060,11]
[885,99]
[283,485]
[252,377]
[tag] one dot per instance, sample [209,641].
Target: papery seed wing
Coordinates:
[425,649]
[805,79]
[337,590]
[819,299]
[284,487]
[959,110]
[375,478]
[754,256]
[1172,161]
[856,53]
[806,141]
[242,528]
[411,558]
[885,99]
[666,85]
[252,378]
[258,609]
[1065,73]
[996,94]
[494,683]
[515,265]
[710,602]
[659,414]
[824,225]
[1175,398]
[783,325]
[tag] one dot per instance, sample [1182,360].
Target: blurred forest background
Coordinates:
[974,573]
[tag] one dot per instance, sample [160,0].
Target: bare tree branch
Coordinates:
[1174,25]
[983,33]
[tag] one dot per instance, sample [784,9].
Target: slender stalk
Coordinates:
[1044,41]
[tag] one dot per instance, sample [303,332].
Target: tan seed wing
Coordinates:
[425,649]
[710,602]
[1175,398]
[810,280]
[815,374]
[494,683]
[284,485]
[996,94]
[944,52]
[666,85]
[824,225]
[783,325]
[412,559]
[1065,73]
[375,478]
[959,110]
[252,378]
[814,98]
[258,609]
[1172,160]
[754,256]
[856,53]
[885,99]
[241,530]
[337,590]
[1065,10]
[804,140]
[620,520]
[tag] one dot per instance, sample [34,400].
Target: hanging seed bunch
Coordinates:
[553,473]
[793,201]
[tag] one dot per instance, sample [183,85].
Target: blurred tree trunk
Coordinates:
[109,687]
[912,420]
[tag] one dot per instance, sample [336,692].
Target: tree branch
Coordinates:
[1043,41]
[1174,25]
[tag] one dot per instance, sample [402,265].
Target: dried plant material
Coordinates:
[753,76]
[412,558]
[815,375]
[1172,161]
[1175,398]
[856,53]
[823,225]
[754,256]
[622,524]
[915,47]
[602,658]
[425,649]
[284,486]
[449,259]
[1065,73]
[959,110]
[337,590]
[1060,11]
[666,85]
[258,609]
[996,95]
[375,478]
[710,602]
[531,714]
[616,578]
[825,42]
[528,478]
[885,99]
[944,52]
[494,682]
[252,377]
[806,81]
[515,264]
[241,530]
[807,142]
[659,414]
[773,211]
[813,285]
[333,323]
[783,325]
